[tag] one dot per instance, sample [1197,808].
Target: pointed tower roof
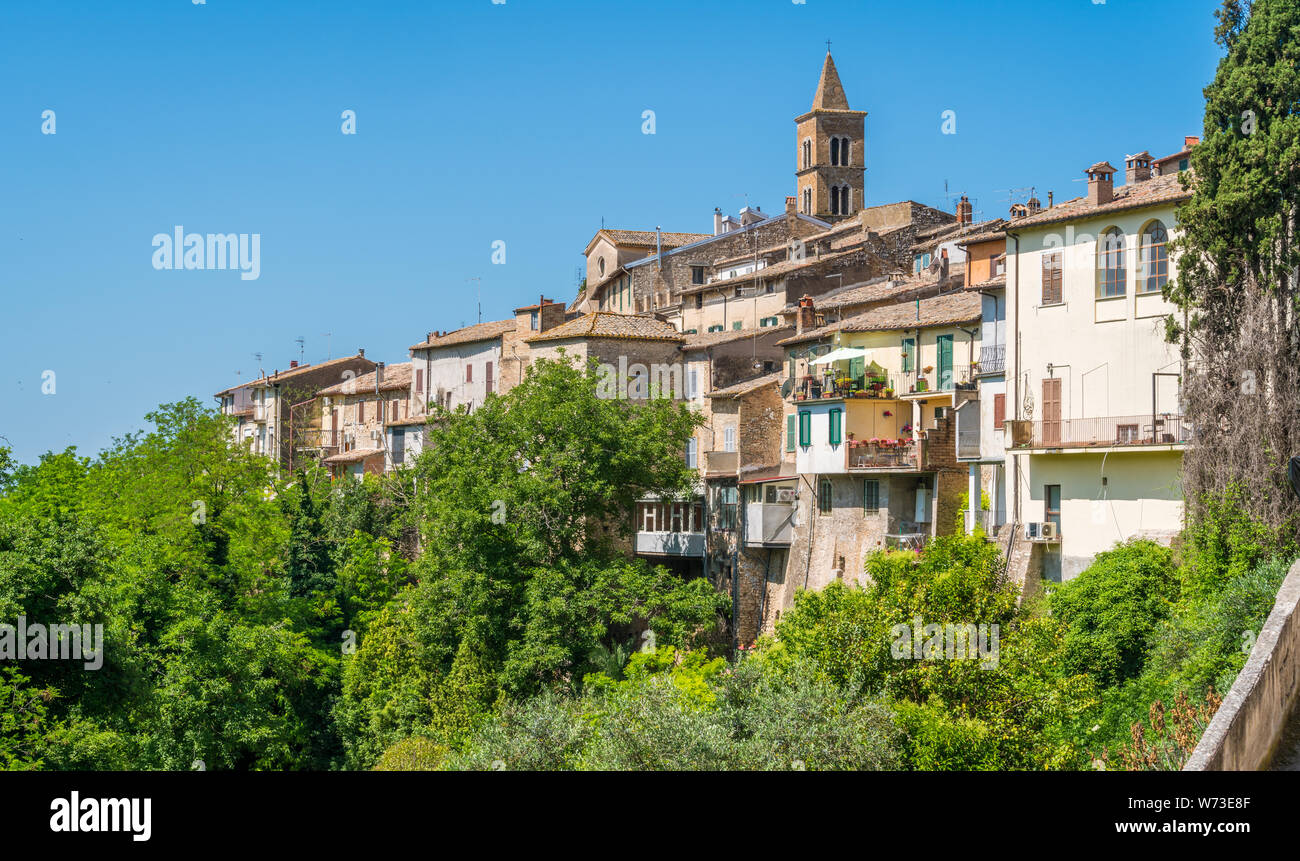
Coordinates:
[830,92]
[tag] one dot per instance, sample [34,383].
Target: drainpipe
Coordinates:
[1015,459]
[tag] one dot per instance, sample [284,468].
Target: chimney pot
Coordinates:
[1101,184]
[293,363]
[806,317]
[964,210]
[361,353]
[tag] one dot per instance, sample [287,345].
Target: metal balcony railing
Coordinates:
[1160,429]
[936,380]
[866,454]
[993,359]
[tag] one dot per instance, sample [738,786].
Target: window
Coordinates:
[1183,164]
[693,383]
[361,411]
[532,321]
[790,422]
[835,200]
[487,378]
[469,373]
[835,419]
[1126,434]
[691,450]
[999,411]
[399,447]
[729,438]
[738,324]
[1052,504]
[419,381]
[807,201]
[807,153]
[1112,277]
[697,274]
[835,151]
[870,496]
[845,207]
[1052,278]
[909,355]
[805,428]
[715,328]
[824,496]
[1154,273]
[600,265]
[726,500]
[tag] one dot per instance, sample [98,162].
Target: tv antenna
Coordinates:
[478,288]
[300,341]
[326,336]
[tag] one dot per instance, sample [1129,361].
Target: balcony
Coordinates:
[768,524]
[815,388]
[670,543]
[993,360]
[904,455]
[1105,432]
[968,443]
[721,462]
[913,384]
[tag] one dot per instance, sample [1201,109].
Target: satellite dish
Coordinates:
[788,386]
[1293,473]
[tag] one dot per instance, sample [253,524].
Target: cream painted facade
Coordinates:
[1093,389]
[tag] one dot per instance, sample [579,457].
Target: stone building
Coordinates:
[279,416]
[357,413]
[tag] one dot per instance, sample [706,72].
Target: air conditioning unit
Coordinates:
[785,494]
[1046,531]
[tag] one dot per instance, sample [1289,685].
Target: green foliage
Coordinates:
[1113,608]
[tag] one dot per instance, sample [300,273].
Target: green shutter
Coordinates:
[870,496]
[909,355]
[790,431]
[835,434]
[857,368]
[945,361]
[805,427]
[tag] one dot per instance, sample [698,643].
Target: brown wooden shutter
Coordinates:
[488,375]
[419,381]
[1052,411]
[1052,278]
[999,411]
[361,411]
[334,428]
[469,373]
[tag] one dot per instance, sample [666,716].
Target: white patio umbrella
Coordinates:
[843,354]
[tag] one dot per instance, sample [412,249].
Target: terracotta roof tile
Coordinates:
[607,324]
[744,387]
[702,340]
[1151,192]
[944,310]
[469,334]
[292,373]
[396,377]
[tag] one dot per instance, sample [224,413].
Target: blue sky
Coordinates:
[479,122]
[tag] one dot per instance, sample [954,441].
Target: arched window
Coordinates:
[846,157]
[807,201]
[1112,276]
[807,153]
[1154,259]
[600,265]
[835,151]
[845,208]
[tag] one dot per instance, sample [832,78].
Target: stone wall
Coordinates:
[1244,734]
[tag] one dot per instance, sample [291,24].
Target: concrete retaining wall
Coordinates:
[1244,733]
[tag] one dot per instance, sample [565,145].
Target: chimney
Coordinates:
[807,315]
[361,354]
[790,208]
[1137,168]
[1101,183]
[717,221]
[963,210]
[1190,141]
[293,363]
[659,247]
[379,376]
[1050,195]
[943,264]
[1035,205]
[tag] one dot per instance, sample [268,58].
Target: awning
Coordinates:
[843,354]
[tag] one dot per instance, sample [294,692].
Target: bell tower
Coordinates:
[830,152]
